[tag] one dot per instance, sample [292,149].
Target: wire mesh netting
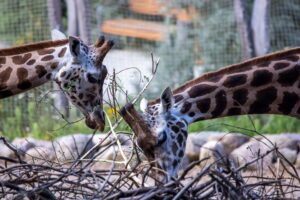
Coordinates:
[22,22]
[189,36]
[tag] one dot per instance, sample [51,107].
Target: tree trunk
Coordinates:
[244,29]
[260,21]
[72,17]
[84,20]
[54,14]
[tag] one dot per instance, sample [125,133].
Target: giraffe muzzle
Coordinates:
[96,120]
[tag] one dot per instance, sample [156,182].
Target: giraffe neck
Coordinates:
[25,67]
[265,85]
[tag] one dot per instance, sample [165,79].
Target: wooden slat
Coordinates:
[136,28]
[147,7]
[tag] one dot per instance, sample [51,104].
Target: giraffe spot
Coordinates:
[40,70]
[201,89]
[31,62]
[292,58]
[179,139]
[22,74]
[178,98]
[234,111]
[181,153]
[68,76]
[45,51]
[2,60]
[191,114]
[239,69]
[180,124]
[280,65]
[85,103]
[62,52]
[91,79]
[264,64]
[215,79]
[5,74]
[263,100]
[54,65]
[174,148]
[221,102]
[175,129]
[199,119]
[184,132]
[261,77]
[63,74]
[3,86]
[19,59]
[186,107]
[48,76]
[175,163]
[288,102]
[24,85]
[5,93]
[290,76]
[235,80]
[203,105]
[240,96]
[47,58]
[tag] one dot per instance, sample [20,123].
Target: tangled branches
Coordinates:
[81,179]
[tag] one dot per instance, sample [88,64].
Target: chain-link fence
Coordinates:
[189,36]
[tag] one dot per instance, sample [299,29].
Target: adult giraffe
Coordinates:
[263,85]
[76,67]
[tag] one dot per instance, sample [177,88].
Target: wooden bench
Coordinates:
[147,7]
[142,29]
[135,28]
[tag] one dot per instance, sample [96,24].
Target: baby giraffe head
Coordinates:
[82,78]
[163,126]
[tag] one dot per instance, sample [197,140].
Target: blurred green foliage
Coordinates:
[23,21]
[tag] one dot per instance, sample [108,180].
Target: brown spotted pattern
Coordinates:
[268,85]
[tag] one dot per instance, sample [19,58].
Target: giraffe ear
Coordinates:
[74,44]
[57,35]
[167,99]
[143,104]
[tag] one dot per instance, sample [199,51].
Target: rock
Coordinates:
[113,154]
[230,141]
[71,146]
[250,150]
[281,141]
[5,151]
[124,139]
[212,149]
[40,154]
[297,163]
[289,154]
[24,144]
[193,145]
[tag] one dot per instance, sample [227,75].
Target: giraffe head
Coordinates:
[163,137]
[82,78]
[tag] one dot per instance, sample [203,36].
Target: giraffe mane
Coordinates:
[32,47]
[232,68]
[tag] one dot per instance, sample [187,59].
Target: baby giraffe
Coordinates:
[264,85]
[76,67]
